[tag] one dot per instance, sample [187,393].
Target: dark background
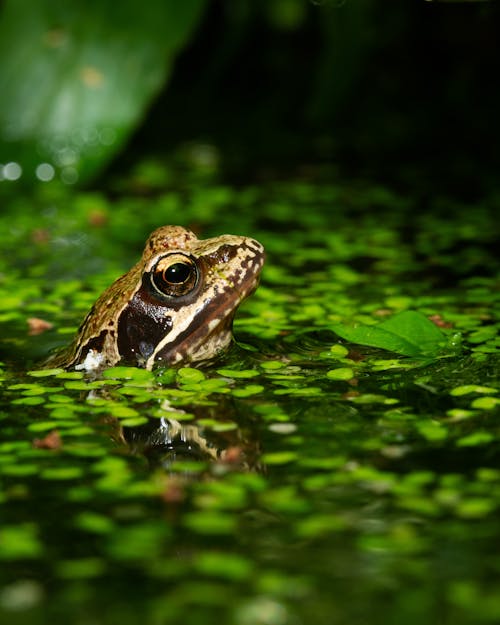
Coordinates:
[404,91]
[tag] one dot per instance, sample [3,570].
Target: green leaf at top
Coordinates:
[76,77]
[409,333]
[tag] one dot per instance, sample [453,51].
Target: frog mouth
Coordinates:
[209,333]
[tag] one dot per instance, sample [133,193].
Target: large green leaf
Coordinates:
[76,76]
[408,333]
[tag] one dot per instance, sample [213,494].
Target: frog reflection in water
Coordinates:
[176,305]
[166,441]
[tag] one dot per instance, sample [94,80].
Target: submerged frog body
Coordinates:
[175,305]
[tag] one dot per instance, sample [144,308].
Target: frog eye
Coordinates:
[174,275]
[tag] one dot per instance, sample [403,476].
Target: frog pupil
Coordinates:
[177,273]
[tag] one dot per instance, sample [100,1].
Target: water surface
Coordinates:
[300,479]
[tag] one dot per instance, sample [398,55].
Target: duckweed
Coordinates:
[342,455]
[210,523]
[20,542]
[240,374]
[248,390]
[341,373]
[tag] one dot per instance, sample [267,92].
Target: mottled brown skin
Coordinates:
[147,317]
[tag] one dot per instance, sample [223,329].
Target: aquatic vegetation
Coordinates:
[345,450]
[408,333]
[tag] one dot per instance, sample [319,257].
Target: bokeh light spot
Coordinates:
[45,172]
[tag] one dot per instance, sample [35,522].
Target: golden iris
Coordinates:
[174,275]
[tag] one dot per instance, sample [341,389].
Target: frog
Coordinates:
[176,305]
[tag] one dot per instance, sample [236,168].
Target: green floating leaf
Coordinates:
[62,473]
[81,430]
[83,450]
[45,373]
[409,333]
[248,390]
[80,385]
[70,375]
[63,412]
[189,375]
[238,373]
[483,334]
[432,430]
[94,523]
[279,457]
[60,399]
[43,426]
[485,403]
[339,351]
[123,412]
[29,401]
[271,365]
[341,373]
[133,422]
[36,390]
[476,438]
[466,389]
[225,565]
[20,541]
[475,508]
[319,524]
[210,522]
[20,470]
[218,426]
[137,376]
[82,568]
[306,391]
[140,541]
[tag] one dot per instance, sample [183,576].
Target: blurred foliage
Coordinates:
[76,77]
[374,86]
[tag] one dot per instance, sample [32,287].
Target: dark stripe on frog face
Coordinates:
[209,334]
[141,326]
[199,322]
[209,330]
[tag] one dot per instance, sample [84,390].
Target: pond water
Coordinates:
[299,479]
